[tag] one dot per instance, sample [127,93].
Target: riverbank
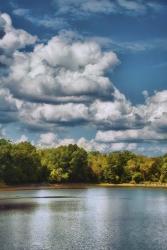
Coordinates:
[4,187]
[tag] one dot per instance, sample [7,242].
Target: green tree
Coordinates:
[5,157]
[97,163]
[115,169]
[24,164]
[137,177]
[79,170]
[163,177]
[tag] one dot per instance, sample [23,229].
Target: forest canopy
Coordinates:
[23,163]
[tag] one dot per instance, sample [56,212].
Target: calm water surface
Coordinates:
[93,218]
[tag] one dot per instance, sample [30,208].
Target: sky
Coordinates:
[91,72]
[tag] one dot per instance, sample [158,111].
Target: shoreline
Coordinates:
[79,186]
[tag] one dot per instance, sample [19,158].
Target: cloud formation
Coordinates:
[8,107]
[65,84]
[60,71]
[12,39]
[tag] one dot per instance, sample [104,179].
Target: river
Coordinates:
[92,218]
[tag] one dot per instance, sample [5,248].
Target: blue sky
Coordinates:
[105,91]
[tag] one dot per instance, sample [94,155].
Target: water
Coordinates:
[93,218]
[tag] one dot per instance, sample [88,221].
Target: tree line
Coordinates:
[23,163]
